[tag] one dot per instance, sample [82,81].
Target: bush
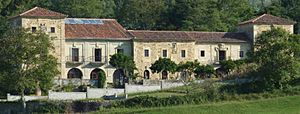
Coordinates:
[68,88]
[46,107]
[101,79]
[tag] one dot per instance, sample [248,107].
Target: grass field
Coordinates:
[282,105]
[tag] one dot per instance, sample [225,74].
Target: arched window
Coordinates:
[95,73]
[74,73]
[146,74]
[164,75]
[118,78]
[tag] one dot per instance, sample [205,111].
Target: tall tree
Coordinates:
[163,64]
[210,15]
[278,58]
[141,14]
[86,8]
[187,68]
[26,62]
[123,62]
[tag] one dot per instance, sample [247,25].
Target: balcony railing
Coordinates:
[97,59]
[75,59]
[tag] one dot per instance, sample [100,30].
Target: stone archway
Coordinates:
[146,74]
[164,75]
[74,73]
[184,75]
[118,78]
[95,73]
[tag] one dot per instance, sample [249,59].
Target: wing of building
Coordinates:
[83,46]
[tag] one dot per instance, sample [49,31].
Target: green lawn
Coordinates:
[283,105]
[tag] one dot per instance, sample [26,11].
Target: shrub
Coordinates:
[101,79]
[46,107]
[68,88]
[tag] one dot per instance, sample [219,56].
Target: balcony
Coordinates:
[97,60]
[75,60]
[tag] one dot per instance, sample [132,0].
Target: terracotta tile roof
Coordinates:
[269,19]
[41,12]
[199,37]
[143,35]
[109,29]
[218,37]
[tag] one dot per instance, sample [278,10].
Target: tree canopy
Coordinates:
[163,64]
[26,62]
[277,54]
[193,15]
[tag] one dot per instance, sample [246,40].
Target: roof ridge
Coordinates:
[154,31]
[255,19]
[28,11]
[41,12]
[178,31]
[268,19]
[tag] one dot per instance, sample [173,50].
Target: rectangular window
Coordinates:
[183,53]
[120,51]
[202,53]
[52,29]
[165,53]
[98,55]
[241,54]
[75,54]
[33,29]
[146,53]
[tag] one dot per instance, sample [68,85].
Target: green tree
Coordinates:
[26,62]
[141,14]
[204,70]
[227,66]
[85,8]
[101,79]
[277,55]
[124,62]
[163,64]
[187,68]
[210,15]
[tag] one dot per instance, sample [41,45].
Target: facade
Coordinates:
[83,46]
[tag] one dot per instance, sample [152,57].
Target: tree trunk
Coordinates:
[23,101]
[38,91]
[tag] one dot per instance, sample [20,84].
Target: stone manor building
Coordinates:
[83,45]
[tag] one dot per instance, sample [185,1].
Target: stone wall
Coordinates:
[168,85]
[254,31]
[141,88]
[258,29]
[99,93]
[155,52]
[211,51]
[27,98]
[58,37]
[67,95]
[76,82]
